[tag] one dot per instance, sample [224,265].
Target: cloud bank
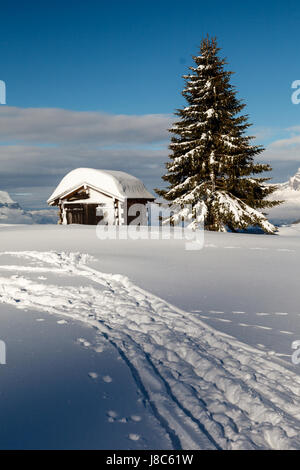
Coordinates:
[39,145]
[51,126]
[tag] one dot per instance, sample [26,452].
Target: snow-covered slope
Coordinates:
[212,390]
[289,192]
[205,389]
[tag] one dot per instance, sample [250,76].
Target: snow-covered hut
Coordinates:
[86,196]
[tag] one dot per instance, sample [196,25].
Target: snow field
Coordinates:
[207,389]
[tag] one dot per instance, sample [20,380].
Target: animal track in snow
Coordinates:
[261,327]
[258,248]
[93,375]
[134,437]
[84,342]
[107,379]
[136,418]
[112,416]
[225,320]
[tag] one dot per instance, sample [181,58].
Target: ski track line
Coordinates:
[207,389]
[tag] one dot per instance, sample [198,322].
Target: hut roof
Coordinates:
[114,183]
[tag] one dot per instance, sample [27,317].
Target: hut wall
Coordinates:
[82,214]
[135,216]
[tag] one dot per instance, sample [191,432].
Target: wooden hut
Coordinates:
[88,196]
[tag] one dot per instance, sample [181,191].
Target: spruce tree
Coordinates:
[212,166]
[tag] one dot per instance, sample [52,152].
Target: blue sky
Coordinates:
[127,58]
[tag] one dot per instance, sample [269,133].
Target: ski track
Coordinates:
[207,389]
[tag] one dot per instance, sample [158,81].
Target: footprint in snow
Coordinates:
[93,375]
[262,327]
[40,319]
[112,416]
[62,322]
[285,249]
[224,320]
[123,420]
[107,379]
[136,418]
[84,342]
[134,437]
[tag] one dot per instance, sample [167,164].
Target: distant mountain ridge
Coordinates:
[288,212]
[5,199]
[289,192]
[293,183]
[12,213]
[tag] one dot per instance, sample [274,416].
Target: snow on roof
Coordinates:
[115,183]
[5,198]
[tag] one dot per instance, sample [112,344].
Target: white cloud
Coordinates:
[26,162]
[293,129]
[40,145]
[263,133]
[284,143]
[47,125]
[286,149]
[39,169]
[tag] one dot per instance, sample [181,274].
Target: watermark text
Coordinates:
[2,92]
[296,94]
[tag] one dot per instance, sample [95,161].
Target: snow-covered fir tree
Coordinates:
[212,166]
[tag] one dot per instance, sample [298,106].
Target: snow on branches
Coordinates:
[212,162]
